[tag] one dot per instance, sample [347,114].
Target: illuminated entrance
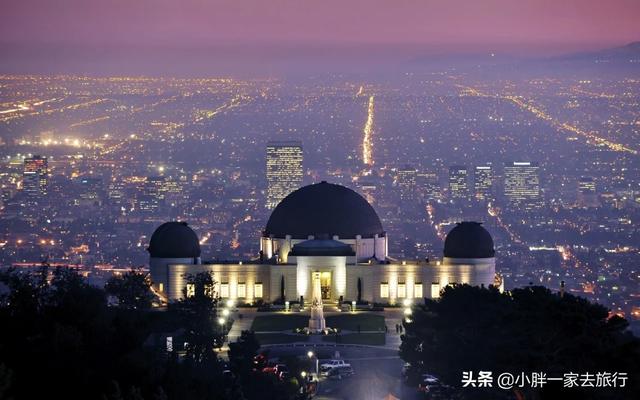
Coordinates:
[325,285]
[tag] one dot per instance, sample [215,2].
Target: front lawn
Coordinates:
[279,322]
[350,322]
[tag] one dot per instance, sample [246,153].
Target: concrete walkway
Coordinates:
[241,324]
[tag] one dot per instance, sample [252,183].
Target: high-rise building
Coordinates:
[428,186]
[406,183]
[35,176]
[483,182]
[587,195]
[152,196]
[90,191]
[458,186]
[522,185]
[284,170]
[116,191]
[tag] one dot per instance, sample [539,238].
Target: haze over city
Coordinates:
[198,38]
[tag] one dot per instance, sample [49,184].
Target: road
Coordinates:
[377,373]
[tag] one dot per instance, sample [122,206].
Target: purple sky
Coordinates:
[569,24]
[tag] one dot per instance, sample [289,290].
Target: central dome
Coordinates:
[324,208]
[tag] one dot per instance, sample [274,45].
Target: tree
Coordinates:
[63,325]
[282,292]
[6,375]
[199,318]
[132,289]
[525,330]
[26,291]
[72,298]
[242,353]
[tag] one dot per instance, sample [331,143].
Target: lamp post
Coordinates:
[311,355]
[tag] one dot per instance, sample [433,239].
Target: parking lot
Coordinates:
[377,373]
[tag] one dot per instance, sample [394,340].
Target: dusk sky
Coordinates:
[267,37]
[566,23]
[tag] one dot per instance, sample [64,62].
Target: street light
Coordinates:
[225,312]
[230,303]
[311,355]
[303,374]
[221,321]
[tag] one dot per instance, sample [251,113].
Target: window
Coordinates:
[435,290]
[242,290]
[402,290]
[417,290]
[224,290]
[191,290]
[257,290]
[384,290]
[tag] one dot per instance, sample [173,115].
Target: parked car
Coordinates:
[439,391]
[405,371]
[259,362]
[331,364]
[282,371]
[340,372]
[426,381]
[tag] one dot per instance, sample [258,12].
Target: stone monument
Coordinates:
[316,319]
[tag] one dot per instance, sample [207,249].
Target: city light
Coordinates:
[367,140]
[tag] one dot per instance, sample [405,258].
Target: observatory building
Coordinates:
[332,231]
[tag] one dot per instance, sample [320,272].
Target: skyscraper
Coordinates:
[522,185]
[458,186]
[406,183]
[35,176]
[428,186]
[90,191]
[284,170]
[587,195]
[483,182]
[152,195]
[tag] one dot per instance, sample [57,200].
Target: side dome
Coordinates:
[324,208]
[174,240]
[468,240]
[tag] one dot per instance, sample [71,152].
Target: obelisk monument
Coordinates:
[316,319]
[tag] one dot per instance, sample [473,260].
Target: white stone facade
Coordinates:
[380,282]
